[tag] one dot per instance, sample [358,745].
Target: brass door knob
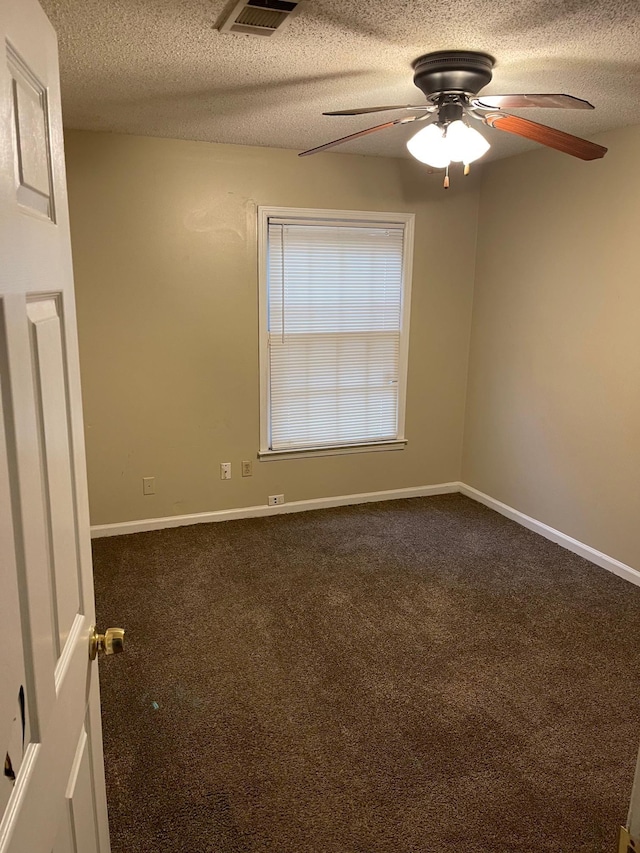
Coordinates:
[111,642]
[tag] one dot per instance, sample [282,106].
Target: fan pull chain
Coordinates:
[445,183]
[467,169]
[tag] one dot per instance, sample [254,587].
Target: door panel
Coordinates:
[32,148]
[52,407]
[12,678]
[81,807]
[49,707]
[64,839]
[77,828]
[27,534]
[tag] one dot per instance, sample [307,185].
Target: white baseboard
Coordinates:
[123,527]
[586,551]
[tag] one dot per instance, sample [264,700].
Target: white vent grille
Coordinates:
[260,17]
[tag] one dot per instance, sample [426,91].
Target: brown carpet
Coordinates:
[418,676]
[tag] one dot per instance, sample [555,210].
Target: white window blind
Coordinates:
[334,316]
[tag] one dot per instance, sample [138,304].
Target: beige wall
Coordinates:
[164,244]
[553,413]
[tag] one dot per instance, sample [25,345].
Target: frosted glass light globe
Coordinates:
[429,145]
[464,144]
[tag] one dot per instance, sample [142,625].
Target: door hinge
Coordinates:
[627,844]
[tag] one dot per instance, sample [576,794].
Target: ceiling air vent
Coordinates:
[260,17]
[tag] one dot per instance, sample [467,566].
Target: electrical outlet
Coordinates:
[225,470]
[276,500]
[148,485]
[247,468]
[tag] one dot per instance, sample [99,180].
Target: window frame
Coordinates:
[298,215]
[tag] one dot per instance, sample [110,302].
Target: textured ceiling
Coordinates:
[160,68]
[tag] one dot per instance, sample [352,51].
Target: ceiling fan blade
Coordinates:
[510,102]
[549,136]
[356,135]
[357,111]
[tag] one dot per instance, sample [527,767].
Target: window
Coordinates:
[334,314]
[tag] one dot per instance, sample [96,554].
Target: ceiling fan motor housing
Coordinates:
[452,71]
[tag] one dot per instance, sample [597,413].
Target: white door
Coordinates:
[52,796]
[630,833]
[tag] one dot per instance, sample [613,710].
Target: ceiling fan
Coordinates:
[451,81]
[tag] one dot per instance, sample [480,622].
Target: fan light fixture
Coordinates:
[438,146]
[451,81]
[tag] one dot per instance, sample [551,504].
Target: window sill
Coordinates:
[305,453]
